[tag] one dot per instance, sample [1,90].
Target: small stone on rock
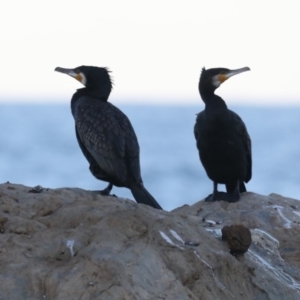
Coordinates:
[238,238]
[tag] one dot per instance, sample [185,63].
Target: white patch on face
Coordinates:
[215,81]
[78,76]
[83,79]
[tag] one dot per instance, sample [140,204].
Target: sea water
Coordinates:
[39,147]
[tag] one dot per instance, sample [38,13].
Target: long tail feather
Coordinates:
[242,187]
[141,195]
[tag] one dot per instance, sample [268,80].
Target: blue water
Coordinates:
[38,146]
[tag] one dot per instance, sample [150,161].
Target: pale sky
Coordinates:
[155,49]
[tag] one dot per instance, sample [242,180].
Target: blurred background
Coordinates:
[155,50]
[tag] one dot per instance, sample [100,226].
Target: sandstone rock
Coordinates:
[74,244]
[238,238]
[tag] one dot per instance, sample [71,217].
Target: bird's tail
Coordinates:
[242,187]
[230,188]
[141,195]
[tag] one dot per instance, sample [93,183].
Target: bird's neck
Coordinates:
[214,103]
[85,92]
[95,93]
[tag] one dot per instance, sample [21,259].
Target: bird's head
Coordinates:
[93,78]
[211,79]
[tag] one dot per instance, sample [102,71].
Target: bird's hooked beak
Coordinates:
[73,73]
[224,76]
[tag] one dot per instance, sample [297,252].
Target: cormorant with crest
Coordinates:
[222,139]
[105,134]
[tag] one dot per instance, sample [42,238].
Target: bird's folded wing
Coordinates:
[242,131]
[107,135]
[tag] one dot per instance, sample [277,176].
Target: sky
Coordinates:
[155,49]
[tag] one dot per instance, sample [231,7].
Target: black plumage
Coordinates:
[105,134]
[222,139]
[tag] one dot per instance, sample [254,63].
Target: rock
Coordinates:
[238,238]
[3,220]
[74,244]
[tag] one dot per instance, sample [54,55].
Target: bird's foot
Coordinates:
[232,198]
[209,198]
[217,196]
[222,196]
[104,193]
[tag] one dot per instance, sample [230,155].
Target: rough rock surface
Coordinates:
[74,244]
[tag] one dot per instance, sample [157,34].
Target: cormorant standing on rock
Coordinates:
[222,139]
[105,135]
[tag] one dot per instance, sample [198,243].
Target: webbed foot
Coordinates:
[217,196]
[106,191]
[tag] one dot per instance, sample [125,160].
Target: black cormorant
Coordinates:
[222,139]
[105,135]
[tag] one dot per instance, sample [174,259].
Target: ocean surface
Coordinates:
[39,147]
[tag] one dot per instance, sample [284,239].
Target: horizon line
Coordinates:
[156,102]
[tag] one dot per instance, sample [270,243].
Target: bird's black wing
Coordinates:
[108,137]
[94,168]
[198,120]
[243,133]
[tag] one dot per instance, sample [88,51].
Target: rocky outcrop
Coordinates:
[74,244]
